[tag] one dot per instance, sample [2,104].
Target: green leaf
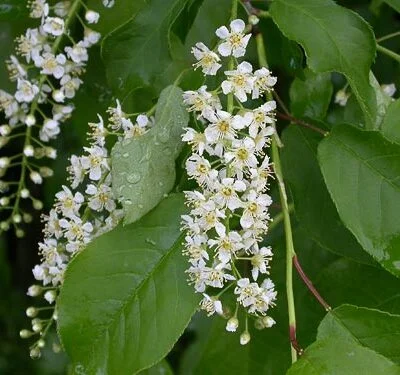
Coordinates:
[333,356]
[161,368]
[310,97]
[328,34]
[395,4]
[391,123]
[138,52]
[353,340]
[125,299]
[361,170]
[144,167]
[370,328]
[311,197]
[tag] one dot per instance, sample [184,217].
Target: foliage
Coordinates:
[125,303]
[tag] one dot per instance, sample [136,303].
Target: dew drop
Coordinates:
[125,155]
[140,206]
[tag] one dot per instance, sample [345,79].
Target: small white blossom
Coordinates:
[207,60]
[234,41]
[263,82]
[91,16]
[240,81]
[53,26]
[26,91]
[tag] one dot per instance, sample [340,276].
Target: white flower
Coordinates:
[35,177]
[221,127]
[101,198]
[137,129]
[195,248]
[227,244]
[76,171]
[241,155]
[195,139]
[209,215]
[216,276]
[68,203]
[211,305]
[240,81]
[39,8]
[201,101]
[53,26]
[70,85]
[260,261]
[234,41]
[8,104]
[50,296]
[226,193]
[259,176]
[116,116]
[98,132]
[51,65]
[78,53]
[91,37]
[15,69]
[108,3]
[91,16]
[207,60]
[255,208]
[75,229]
[200,169]
[49,130]
[232,324]
[261,116]
[341,97]
[26,91]
[263,82]
[94,162]
[61,8]
[247,292]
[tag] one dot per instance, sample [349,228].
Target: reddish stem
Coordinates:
[309,284]
[301,123]
[293,340]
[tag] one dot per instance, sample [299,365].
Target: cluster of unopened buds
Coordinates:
[47,74]
[82,211]
[229,210]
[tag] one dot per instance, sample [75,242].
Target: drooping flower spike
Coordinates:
[229,209]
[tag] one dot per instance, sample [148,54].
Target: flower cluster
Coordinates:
[229,210]
[82,211]
[47,73]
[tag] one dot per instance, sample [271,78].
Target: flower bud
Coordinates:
[36,177]
[20,233]
[46,172]
[41,343]
[17,218]
[35,353]
[4,225]
[51,153]
[3,141]
[245,338]
[34,291]
[4,162]
[5,130]
[30,120]
[58,96]
[31,312]
[92,16]
[27,218]
[29,151]
[56,348]
[24,193]
[253,19]
[25,334]
[232,324]
[50,296]
[264,322]
[37,327]
[4,201]
[37,204]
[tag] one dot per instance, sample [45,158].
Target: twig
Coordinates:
[301,123]
[309,284]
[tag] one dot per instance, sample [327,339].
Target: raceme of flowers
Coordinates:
[82,211]
[229,209]
[47,74]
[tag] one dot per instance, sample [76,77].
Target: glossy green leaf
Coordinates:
[333,356]
[144,167]
[313,206]
[391,123]
[353,340]
[328,34]
[125,299]
[361,170]
[138,52]
[161,368]
[310,97]
[370,328]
